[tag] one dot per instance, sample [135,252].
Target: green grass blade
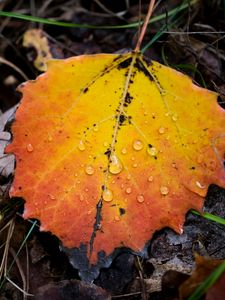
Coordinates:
[75,25]
[18,252]
[210,217]
[210,280]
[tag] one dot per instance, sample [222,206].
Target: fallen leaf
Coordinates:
[35,38]
[204,267]
[110,148]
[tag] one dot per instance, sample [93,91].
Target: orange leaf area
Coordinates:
[110,148]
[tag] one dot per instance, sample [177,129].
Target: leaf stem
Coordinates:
[144,27]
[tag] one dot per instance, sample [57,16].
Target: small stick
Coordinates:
[144,27]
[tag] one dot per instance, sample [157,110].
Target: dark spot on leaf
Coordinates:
[150,145]
[124,64]
[122,211]
[122,119]
[108,153]
[141,68]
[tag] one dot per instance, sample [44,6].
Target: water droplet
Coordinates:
[89,212]
[167,114]
[135,165]
[161,130]
[174,165]
[30,148]
[89,170]
[137,145]
[122,186]
[107,195]
[164,190]
[78,181]
[115,166]
[200,185]
[140,198]
[133,158]
[128,190]
[50,138]
[105,144]
[51,197]
[150,178]
[95,128]
[124,151]
[86,190]
[152,151]
[81,146]
[200,159]
[81,198]
[129,177]
[145,113]
[174,118]
[76,175]
[117,218]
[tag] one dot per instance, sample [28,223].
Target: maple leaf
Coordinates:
[110,148]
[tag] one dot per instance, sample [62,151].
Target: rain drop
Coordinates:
[137,145]
[152,151]
[89,170]
[161,130]
[117,218]
[30,148]
[81,146]
[128,190]
[105,144]
[174,118]
[81,198]
[150,178]
[124,151]
[95,128]
[115,166]
[135,165]
[129,177]
[107,195]
[164,190]
[140,198]
[51,197]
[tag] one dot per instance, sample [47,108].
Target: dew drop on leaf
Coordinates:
[117,218]
[164,190]
[150,178]
[89,170]
[115,166]
[30,148]
[128,190]
[152,151]
[124,151]
[81,146]
[140,198]
[137,145]
[161,130]
[107,195]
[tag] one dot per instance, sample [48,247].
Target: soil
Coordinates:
[194,46]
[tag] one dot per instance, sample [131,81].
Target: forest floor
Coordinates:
[193,43]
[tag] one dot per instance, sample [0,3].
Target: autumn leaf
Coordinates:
[110,148]
[35,38]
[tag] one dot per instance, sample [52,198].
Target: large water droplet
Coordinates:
[81,146]
[30,148]
[164,190]
[140,198]
[89,170]
[107,195]
[95,128]
[115,166]
[128,190]
[137,145]
[152,151]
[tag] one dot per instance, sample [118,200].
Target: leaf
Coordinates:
[35,38]
[111,148]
